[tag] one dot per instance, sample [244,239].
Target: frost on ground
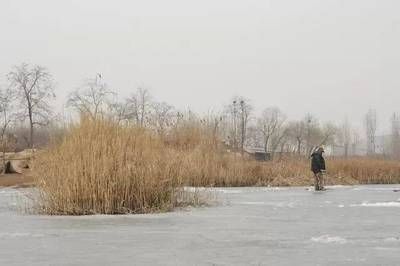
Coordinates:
[327,239]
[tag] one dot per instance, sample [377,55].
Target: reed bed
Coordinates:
[366,170]
[225,171]
[100,167]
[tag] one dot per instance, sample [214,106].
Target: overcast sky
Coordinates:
[329,58]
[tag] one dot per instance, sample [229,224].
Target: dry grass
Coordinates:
[366,170]
[101,167]
[225,171]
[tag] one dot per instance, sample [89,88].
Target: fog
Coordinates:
[330,58]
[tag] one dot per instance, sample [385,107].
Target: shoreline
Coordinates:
[25,180]
[16,180]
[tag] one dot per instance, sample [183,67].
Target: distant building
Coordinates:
[258,154]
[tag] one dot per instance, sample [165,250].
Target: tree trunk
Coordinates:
[266,144]
[31,129]
[243,135]
[281,154]
[298,146]
[4,155]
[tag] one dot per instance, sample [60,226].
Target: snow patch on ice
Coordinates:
[337,186]
[274,189]
[378,204]
[9,191]
[274,204]
[376,188]
[392,239]
[19,235]
[229,191]
[341,206]
[253,203]
[327,239]
[193,189]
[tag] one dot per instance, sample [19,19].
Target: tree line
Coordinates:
[27,98]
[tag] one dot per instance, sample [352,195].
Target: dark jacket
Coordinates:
[317,162]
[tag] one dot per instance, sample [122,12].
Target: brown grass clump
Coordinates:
[100,167]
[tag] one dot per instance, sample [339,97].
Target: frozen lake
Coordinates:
[251,226]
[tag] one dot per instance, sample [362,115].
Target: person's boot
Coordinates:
[316,183]
[321,183]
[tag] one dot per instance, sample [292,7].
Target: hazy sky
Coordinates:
[330,58]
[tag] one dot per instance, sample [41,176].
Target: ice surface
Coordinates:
[250,226]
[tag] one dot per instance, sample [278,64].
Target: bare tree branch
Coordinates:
[34,89]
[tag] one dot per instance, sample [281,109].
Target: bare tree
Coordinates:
[244,115]
[139,106]
[239,112]
[270,124]
[118,111]
[34,89]
[298,131]
[370,127]
[231,115]
[7,118]
[217,121]
[328,132]
[317,135]
[346,136]
[254,137]
[163,114]
[280,138]
[313,133]
[92,99]
[355,141]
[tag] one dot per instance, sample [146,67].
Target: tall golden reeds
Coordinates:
[102,167]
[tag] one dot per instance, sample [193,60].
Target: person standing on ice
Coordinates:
[318,168]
